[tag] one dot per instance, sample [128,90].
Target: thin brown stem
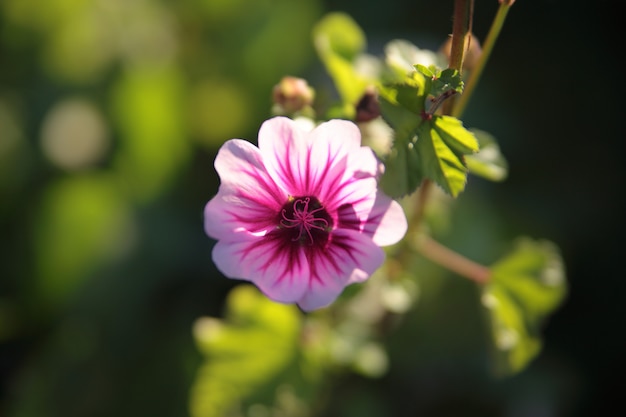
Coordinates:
[461,28]
[452,260]
[422,197]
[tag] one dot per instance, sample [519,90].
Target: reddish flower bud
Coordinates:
[367,108]
[292,95]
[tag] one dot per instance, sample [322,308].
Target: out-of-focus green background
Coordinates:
[111,112]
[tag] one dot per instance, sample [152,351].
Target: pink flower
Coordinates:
[301,216]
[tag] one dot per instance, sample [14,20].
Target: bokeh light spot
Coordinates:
[74,134]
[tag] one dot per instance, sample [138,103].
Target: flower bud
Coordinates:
[292,95]
[367,108]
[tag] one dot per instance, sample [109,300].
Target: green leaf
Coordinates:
[338,41]
[338,34]
[439,161]
[448,79]
[526,286]
[403,172]
[256,341]
[401,56]
[408,94]
[429,72]
[452,132]
[425,146]
[403,168]
[442,143]
[488,163]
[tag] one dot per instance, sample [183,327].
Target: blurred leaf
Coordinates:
[338,41]
[279,43]
[403,172]
[257,341]
[525,287]
[488,162]
[148,105]
[401,56]
[84,221]
[338,34]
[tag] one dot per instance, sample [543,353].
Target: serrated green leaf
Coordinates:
[429,72]
[408,94]
[525,287]
[257,341]
[441,144]
[450,79]
[457,137]
[488,163]
[431,148]
[403,121]
[440,162]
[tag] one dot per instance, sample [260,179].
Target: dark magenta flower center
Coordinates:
[306,221]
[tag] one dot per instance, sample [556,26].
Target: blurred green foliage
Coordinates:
[111,112]
[526,286]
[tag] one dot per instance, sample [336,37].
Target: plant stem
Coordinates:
[452,260]
[492,36]
[463,11]
[461,27]
[422,197]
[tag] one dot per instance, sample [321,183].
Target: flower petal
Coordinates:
[248,199]
[285,150]
[349,258]
[307,163]
[358,180]
[386,223]
[378,216]
[278,268]
[333,143]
